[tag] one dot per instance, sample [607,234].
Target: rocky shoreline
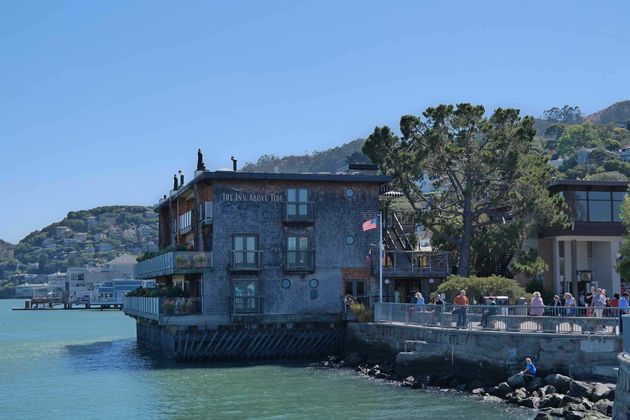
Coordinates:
[554,396]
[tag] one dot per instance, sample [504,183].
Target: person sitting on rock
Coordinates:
[530,369]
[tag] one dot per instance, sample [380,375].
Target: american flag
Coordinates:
[369,224]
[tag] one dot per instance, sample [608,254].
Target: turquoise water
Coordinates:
[85,364]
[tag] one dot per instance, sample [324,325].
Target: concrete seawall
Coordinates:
[488,356]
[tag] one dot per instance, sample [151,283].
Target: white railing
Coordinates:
[145,307]
[516,318]
[173,263]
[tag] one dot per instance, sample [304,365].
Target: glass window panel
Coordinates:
[599,211]
[292,243]
[303,195]
[360,288]
[251,243]
[578,209]
[349,288]
[291,194]
[599,195]
[304,244]
[619,195]
[238,243]
[575,195]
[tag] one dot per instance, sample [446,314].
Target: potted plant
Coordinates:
[200,260]
[181,261]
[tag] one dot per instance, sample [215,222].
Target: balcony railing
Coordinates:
[303,261]
[299,212]
[176,262]
[154,307]
[250,260]
[249,306]
[413,263]
[206,213]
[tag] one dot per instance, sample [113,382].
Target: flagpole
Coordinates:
[380,256]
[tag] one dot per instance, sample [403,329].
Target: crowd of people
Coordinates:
[593,303]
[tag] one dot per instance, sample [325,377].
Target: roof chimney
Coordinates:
[233,163]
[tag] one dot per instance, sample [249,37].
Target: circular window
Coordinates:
[349,192]
[285,283]
[313,283]
[349,239]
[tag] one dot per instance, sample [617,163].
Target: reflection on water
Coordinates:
[86,364]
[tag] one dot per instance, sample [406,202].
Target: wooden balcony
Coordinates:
[299,213]
[412,263]
[245,261]
[176,262]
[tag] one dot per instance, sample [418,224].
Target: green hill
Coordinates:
[616,113]
[331,160]
[6,250]
[93,236]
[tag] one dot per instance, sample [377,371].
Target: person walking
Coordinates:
[488,312]
[461,302]
[599,302]
[569,303]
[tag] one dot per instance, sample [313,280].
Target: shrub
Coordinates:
[481,286]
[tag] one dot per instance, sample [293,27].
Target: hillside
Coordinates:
[6,250]
[616,113]
[331,160]
[93,236]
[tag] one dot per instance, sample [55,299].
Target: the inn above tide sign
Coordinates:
[252,197]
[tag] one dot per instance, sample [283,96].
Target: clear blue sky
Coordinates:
[100,102]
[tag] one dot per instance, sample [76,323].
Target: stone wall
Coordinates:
[621,409]
[418,350]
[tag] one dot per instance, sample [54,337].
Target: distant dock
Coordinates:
[53,303]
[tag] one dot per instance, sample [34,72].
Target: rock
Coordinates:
[603,407]
[567,399]
[411,382]
[492,399]
[611,395]
[551,401]
[548,390]
[600,391]
[574,415]
[516,381]
[560,382]
[580,389]
[475,384]
[516,396]
[535,383]
[531,402]
[549,414]
[478,391]
[536,394]
[500,390]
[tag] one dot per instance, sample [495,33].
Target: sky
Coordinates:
[102,101]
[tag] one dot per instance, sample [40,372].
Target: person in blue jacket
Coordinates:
[530,369]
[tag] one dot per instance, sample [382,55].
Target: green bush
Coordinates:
[361,312]
[481,286]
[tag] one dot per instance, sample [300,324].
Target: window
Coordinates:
[298,252]
[297,202]
[185,222]
[595,206]
[599,209]
[245,295]
[245,252]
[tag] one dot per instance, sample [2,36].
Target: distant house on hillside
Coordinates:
[105,247]
[61,231]
[624,154]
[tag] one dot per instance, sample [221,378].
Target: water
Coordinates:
[57,364]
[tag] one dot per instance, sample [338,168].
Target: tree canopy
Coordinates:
[567,114]
[489,182]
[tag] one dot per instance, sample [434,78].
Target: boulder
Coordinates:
[574,414]
[475,384]
[551,401]
[567,399]
[490,398]
[531,402]
[600,391]
[604,407]
[534,384]
[478,391]
[549,414]
[410,382]
[500,390]
[548,390]
[516,381]
[580,389]
[560,382]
